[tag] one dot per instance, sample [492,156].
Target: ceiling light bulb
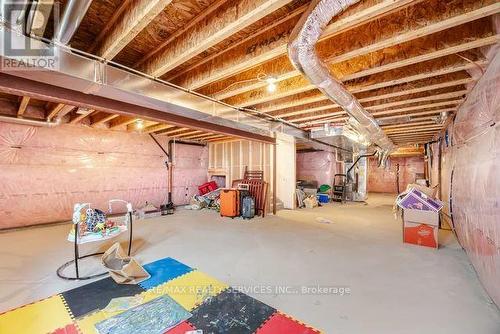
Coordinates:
[271,87]
[139,124]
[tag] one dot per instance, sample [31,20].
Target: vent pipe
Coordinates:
[302,53]
[73,15]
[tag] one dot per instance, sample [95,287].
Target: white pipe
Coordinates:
[27,121]
[302,53]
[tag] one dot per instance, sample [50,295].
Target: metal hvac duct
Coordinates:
[73,15]
[302,53]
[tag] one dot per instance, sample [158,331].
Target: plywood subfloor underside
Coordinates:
[395,288]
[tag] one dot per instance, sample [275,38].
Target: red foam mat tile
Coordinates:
[280,323]
[181,328]
[69,329]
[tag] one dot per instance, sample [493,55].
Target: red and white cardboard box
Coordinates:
[421,227]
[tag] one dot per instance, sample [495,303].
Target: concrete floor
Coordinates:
[394,288]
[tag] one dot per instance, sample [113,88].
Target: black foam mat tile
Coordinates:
[230,312]
[97,295]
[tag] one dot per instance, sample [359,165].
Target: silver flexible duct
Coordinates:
[73,15]
[302,53]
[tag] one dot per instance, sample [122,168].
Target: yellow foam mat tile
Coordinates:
[189,290]
[41,317]
[87,323]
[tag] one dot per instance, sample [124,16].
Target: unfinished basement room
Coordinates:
[249,166]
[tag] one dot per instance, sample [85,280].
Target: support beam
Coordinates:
[233,17]
[134,19]
[42,91]
[272,44]
[101,118]
[22,106]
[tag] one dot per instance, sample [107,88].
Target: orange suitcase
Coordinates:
[229,203]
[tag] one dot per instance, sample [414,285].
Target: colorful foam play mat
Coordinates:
[176,299]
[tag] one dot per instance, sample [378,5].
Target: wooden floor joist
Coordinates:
[158,127]
[133,19]
[410,73]
[233,17]
[102,118]
[81,114]
[273,44]
[23,104]
[384,60]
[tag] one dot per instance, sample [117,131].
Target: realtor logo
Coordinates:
[21,24]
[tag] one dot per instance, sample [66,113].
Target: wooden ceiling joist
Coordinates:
[424,85]
[231,18]
[407,124]
[157,127]
[271,44]
[213,7]
[101,118]
[23,104]
[122,121]
[60,110]
[466,37]
[81,114]
[459,93]
[415,129]
[379,113]
[199,136]
[187,134]
[134,18]
[386,79]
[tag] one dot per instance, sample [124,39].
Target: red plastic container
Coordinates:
[207,187]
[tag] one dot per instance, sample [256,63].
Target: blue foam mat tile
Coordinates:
[162,271]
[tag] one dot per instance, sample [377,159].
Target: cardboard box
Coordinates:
[421,227]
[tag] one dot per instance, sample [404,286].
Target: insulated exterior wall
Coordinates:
[472,195]
[319,166]
[384,180]
[45,171]
[190,171]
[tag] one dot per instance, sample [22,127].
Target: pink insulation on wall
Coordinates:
[190,171]
[383,180]
[472,156]
[44,171]
[319,166]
